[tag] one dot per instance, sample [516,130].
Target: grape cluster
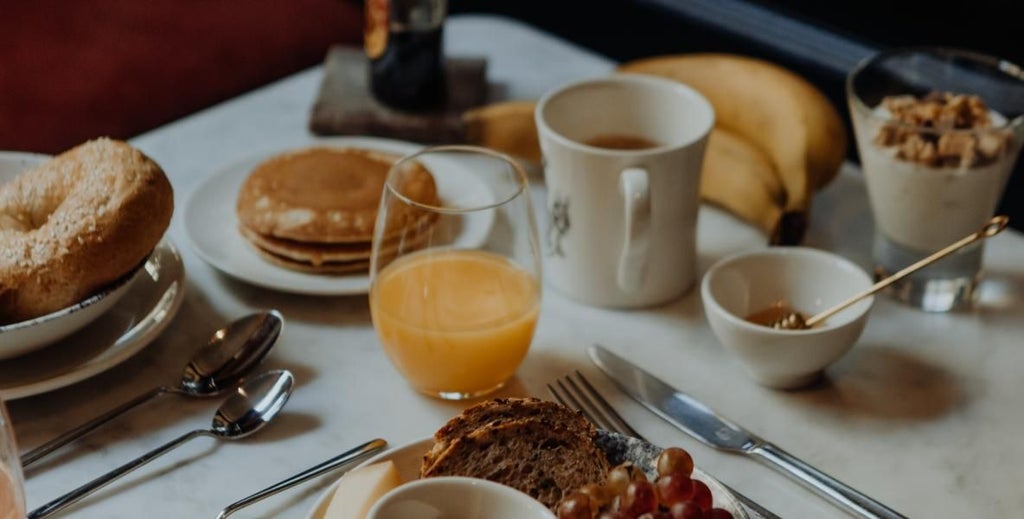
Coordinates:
[628,494]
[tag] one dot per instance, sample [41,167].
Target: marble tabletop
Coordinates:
[924,414]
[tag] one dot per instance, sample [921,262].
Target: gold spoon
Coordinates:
[796,321]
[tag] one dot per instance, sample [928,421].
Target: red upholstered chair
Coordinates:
[71,71]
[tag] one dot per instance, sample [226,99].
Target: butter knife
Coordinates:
[701,422]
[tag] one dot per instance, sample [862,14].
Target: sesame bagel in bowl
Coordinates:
[73,225]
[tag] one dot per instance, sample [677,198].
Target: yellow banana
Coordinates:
[508,127]
[738,177]
[782,114]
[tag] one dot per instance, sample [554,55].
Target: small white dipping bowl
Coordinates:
[457,498]
[806,279]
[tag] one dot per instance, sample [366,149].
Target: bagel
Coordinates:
[76,223]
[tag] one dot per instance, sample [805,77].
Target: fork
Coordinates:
[575,391]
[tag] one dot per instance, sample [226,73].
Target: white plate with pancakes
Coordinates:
[212,224]
[619,448]
[152,299]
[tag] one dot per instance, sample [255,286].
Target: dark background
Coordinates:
[629,29]
[67,75]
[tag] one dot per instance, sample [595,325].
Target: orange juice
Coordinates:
[455,323]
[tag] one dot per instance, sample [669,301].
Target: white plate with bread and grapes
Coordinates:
[547,451]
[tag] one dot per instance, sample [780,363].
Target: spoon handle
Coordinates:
[77,494]
[39,452]
[338,461]
[994,226]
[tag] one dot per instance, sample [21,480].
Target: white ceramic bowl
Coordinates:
[807,279]
[26,336]
[457,498]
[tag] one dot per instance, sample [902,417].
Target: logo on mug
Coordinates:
[559,225]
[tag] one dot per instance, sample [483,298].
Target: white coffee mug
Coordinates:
[622,222]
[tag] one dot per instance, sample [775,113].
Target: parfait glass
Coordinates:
[12,484]
[934,171]
[455,270]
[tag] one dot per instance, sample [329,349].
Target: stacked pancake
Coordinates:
[313,210]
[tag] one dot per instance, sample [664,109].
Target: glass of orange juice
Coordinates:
[12,486]
[455,270]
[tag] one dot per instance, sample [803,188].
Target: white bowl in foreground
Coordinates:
[809,280]
[453,497]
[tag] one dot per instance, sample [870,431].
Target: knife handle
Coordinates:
[817,481]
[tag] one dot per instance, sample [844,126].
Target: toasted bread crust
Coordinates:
[539,447]
[498,411]
[545,460]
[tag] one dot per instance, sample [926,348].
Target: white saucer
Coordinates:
[152,299]
[211,224]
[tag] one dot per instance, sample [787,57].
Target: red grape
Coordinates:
[628,494]
[599,494]
[701,494]
[576,506]
[673,488]
[686,510]
[621,475]
[674,460]
[639,498]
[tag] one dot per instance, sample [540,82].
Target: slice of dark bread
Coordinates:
[543,459]
[503,410]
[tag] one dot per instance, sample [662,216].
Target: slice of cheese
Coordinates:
[360,488]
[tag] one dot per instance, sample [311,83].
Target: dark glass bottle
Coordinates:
[404,41]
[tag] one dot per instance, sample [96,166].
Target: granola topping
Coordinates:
[931,130]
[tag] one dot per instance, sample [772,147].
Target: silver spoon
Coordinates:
[793,320]
[251,407]
[231,353]
[334,463]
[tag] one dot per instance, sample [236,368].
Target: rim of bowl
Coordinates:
[85,303]
[463,481]
[736,320]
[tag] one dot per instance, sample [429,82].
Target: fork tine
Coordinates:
[610,415]
[586,404]
[570,399]
[580,395]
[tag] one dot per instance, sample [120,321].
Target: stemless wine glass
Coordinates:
[12,485]
[455,270]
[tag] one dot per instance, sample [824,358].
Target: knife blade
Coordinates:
[700,421]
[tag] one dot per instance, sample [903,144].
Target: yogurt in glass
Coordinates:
[938,132]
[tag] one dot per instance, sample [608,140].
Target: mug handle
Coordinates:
[634,185]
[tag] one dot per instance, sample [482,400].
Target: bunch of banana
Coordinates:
[740,178]
[777,112]
[507,126]
[777,138]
